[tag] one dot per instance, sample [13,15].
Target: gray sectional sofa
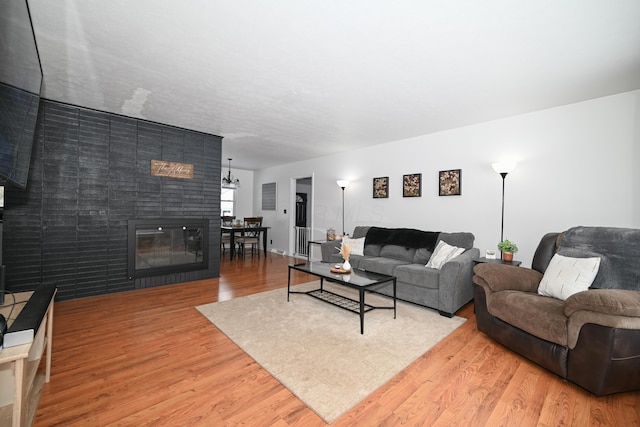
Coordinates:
[404,253]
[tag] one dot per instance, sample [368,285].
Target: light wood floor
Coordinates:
[148,357]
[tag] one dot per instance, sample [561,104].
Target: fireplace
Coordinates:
[166,246]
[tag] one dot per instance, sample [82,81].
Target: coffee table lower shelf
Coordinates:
[340,301]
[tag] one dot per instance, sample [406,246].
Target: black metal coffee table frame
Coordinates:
[358,279]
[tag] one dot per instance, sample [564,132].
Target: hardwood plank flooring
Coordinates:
[148,358]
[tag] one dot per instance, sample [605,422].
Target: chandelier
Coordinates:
[230,181]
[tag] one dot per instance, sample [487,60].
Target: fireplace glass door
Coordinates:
[167,246]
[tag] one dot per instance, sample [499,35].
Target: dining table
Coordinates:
[232,230]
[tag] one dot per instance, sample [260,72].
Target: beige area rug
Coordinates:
[316,350]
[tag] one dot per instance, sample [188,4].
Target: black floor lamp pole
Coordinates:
[342,211]
[342,183]
[503,169]
[503,175]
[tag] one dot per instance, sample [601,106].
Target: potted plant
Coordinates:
[507,248]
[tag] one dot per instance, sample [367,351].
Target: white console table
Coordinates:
[23,360]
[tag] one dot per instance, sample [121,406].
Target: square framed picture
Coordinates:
[412,185]
[381,187]
[450,182]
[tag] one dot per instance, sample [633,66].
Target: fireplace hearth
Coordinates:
[166,246]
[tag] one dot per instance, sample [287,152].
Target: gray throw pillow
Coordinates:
[398,252]
[422,256]
[372,250]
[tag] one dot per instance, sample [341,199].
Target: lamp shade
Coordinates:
[342,183]
[503,167]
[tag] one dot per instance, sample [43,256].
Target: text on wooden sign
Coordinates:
[171,169]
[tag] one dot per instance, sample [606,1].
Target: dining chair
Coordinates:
[250,237]
[225,238]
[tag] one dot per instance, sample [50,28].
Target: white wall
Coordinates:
[577,165]
[244,194]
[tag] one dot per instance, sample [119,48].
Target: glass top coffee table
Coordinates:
[358,279]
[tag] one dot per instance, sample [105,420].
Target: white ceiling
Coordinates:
[287,80]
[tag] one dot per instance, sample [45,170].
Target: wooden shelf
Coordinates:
[33,396]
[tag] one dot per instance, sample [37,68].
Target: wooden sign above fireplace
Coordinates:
[171,169]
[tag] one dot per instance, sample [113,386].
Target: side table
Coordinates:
[496,261]
[313,242]
[24,359]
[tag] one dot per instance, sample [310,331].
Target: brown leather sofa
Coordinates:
[593,337]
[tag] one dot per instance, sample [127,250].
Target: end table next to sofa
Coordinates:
[496,261]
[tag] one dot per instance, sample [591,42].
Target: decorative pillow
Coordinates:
[357,245]
[422,256]
[566,276]
[372,250]
[442,254]
[401,253]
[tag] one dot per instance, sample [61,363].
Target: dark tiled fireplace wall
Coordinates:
[90,174]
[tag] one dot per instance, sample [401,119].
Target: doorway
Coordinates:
[302,207]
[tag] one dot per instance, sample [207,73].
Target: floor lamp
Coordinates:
[503,169]
[342,183]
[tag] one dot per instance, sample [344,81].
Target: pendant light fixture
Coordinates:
[230,181]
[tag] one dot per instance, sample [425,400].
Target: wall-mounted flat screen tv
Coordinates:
[20,84]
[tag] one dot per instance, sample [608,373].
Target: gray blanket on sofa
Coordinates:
[617,248]
[406,237]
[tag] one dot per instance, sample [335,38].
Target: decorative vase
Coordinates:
[346,266]
[331,234]
[507,256]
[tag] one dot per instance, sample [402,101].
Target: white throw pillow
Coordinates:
[442,254]
[356,245]
[566,276]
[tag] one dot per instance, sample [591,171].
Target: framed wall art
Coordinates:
[450,182]
[381,187]
[412,185]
